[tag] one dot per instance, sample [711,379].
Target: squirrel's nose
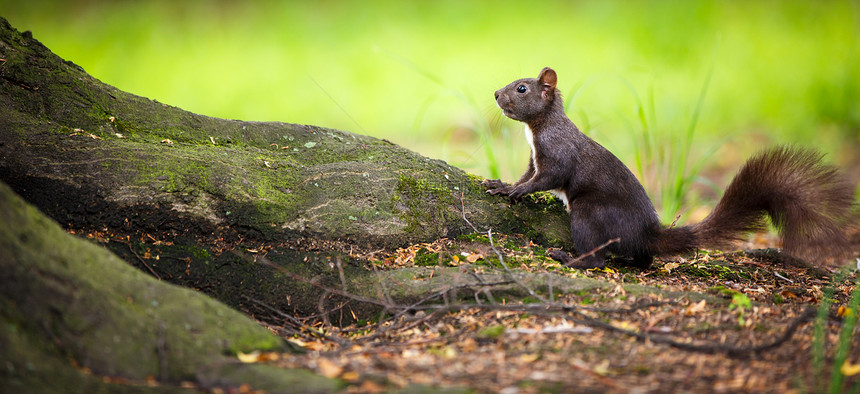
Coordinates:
[497,94]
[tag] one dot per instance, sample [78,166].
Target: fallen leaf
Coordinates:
[528,358]
[166,141]
[328,368]
[248,358]
[307,345]
[350,376]
[618,291]
[624,325]
[492,331]
[844,312]
[369,386]
[269,356]
[849,369]
[602,368]
[695,308]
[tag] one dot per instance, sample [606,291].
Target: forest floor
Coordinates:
[713,322]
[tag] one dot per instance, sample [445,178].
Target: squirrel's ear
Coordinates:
[547,80]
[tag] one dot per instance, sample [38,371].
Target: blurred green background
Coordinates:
[676,89]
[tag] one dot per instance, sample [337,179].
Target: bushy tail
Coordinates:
[808,202]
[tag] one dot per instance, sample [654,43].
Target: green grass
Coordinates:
[422,74]
[822,366]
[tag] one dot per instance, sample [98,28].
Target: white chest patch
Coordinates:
[530,138]
[560,193]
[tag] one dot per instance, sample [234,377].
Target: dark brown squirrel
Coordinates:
[807,201]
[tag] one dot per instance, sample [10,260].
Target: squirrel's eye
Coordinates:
[521,88]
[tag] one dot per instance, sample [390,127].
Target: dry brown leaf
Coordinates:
[328,368]
[602,368]
[695,308]
[248,358]
[528,358]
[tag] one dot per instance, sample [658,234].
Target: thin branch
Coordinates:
[296,322]
[463,210]
[595,250]
[731,351]
[265,261]
[510,273]
[130,248]
[674,222]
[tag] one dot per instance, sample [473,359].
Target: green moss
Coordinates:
[724,291]
[778,298]
[424,258]
[426,203]
[714,269]
[474,237]
[106,315]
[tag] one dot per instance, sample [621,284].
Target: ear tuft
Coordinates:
[547,80]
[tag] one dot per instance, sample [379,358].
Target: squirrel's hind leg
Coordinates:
[596,260]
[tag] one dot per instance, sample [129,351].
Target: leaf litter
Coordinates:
[697,331]
[751,331]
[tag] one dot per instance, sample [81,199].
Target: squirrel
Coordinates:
[807,201]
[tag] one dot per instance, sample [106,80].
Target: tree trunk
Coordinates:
[65,300]
[185,196]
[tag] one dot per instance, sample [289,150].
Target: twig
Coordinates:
[340,273]
[138,257]
[264,260]
[510,273]
[593,251]
[731,351]
[674,222]
[463,210]
[295,321]
[782,277]
[321,308]
[568,312]
[418,306]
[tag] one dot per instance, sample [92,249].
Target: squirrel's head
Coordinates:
[526,98]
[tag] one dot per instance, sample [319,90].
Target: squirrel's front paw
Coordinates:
[496,187]
[516,194]
[493,183]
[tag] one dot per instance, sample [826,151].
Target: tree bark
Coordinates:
[64,300]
